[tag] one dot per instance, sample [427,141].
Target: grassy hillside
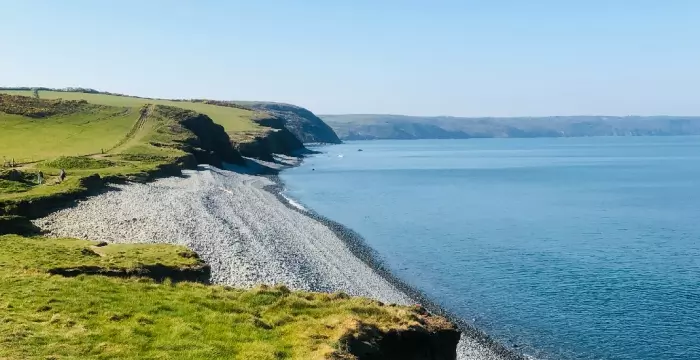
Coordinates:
[234,120]
[358,127]
[44,316]
[17,92]
[27,139]
[256,131]
[89,140]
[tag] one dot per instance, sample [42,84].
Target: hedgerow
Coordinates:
[38,108]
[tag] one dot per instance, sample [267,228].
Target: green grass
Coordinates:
[46,316]
[84,139]
[77,162]
[17,92]
[89,131]
[7,186]
[29,190]
[232,119]
[44,254]
[51,187]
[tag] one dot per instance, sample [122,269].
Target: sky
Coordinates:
[431,57]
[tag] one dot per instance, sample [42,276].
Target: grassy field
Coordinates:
[53,135]
[45,255]
[86,132]
[45,316]
[232,119]
[17,92]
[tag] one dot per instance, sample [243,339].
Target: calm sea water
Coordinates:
[581,248]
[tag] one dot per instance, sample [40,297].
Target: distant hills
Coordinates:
[368,126]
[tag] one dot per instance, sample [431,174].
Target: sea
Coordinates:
[562,248]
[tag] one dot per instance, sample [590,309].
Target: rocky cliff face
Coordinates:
[434,339]
[210,143]
[306,126]
[277,139]
[289,128]
[273,141]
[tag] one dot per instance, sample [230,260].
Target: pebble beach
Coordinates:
[248,234]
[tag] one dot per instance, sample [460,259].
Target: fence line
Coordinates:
[10,162]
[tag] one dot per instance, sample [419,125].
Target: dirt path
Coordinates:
[138,126]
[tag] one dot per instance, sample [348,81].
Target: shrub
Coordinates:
[8,187]
[38,108]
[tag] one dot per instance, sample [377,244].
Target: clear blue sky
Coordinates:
[462,58]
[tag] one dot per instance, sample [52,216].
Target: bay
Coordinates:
[569,248]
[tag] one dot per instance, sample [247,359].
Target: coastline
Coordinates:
[250,238]
[359,247]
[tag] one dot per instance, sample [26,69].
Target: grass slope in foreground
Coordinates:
[44,316]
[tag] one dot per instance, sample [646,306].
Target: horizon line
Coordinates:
[508,117]
[104,92]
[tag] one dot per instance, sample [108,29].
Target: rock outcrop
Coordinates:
[306,126]
[289,127]
[12,224]
[434,339]
[210,143]
[276,139]
[158,272]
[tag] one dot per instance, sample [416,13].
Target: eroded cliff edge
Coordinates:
[304,124]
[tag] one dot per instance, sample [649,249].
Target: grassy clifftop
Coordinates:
[45,316]
[234,120]
[241,123]
[96,143]
[33,129]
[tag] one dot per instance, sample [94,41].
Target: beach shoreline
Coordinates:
[250,233]
[359,247]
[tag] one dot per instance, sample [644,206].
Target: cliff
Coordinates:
[206,140]
[282,129]
[368,127]
[161,142]
[306,126]
[239,120]
[275,138]
[432,338]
